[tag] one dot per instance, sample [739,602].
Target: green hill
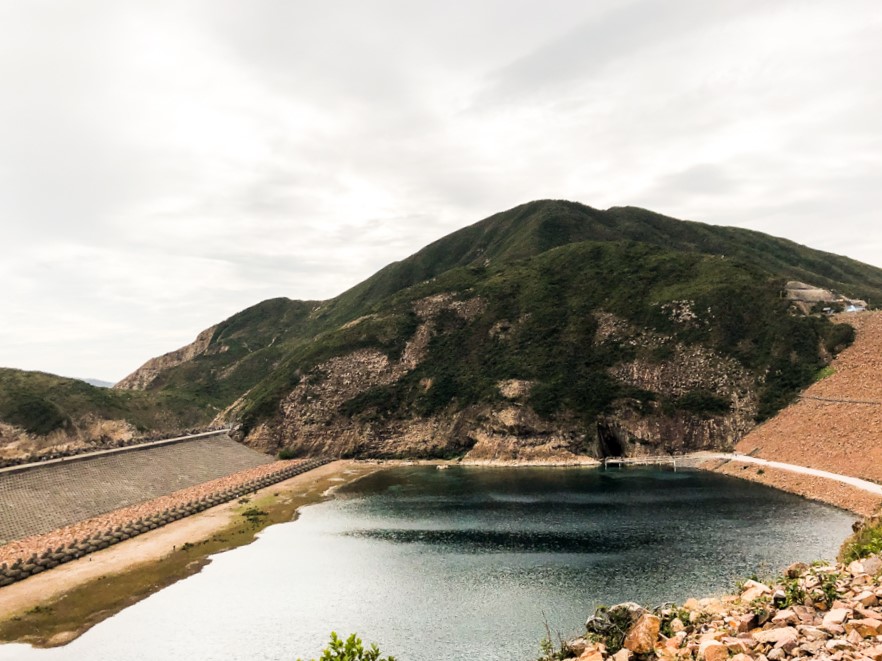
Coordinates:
[41,403]
[620,331]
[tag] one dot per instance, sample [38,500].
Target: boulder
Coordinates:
[866,628]
[776,635]
[577,646]
[643,634]
[867,599]
[713,650]
[870,566]
[838,644]
[812,633]
[677,625]
[622,655]
[753,590]
[806,614]
[785,617]
[620,617]
[796,570]
[591,654]
[836,616]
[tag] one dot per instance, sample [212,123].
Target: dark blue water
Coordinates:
[467,563]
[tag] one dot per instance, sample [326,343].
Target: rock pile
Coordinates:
[825,612]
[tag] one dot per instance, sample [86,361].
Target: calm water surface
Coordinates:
[466,564]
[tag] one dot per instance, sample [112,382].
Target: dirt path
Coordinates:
[843,491]
[857,483]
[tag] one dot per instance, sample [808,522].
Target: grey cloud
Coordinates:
[620,32]
[164,165]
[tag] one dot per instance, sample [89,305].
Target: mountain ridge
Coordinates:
[554,274]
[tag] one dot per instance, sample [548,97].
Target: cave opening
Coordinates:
[610,445]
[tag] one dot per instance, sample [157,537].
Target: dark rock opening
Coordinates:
[610,445]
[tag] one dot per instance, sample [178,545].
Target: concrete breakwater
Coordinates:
[55,454]
[49,555]
[49,496]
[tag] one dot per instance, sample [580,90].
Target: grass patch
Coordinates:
[824,372]
[865,542]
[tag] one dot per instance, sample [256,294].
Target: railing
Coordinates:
[640,461]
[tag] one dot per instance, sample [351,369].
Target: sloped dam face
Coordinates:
[467,563]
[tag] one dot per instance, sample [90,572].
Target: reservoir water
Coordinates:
[466,564]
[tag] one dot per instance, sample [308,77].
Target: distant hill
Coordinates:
[35,405]
[548,331]
[98,383]
[610,331]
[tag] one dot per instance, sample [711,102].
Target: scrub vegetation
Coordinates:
[543,269]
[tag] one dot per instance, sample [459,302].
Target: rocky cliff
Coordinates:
[142,377]
[314,419]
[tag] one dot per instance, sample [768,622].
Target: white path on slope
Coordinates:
[863,485]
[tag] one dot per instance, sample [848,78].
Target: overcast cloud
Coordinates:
[164,165]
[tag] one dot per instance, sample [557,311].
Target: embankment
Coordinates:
[51,496]
[835,426]
[54,607]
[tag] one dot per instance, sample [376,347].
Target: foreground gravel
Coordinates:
[829,612]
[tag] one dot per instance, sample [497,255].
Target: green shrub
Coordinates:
[287,453]
[795,594]
[254,515]
[350,650]
[838,337]
[865,542]
[703,402]
[824,372]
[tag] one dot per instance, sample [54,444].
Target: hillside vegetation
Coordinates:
[618,329]
[40,404]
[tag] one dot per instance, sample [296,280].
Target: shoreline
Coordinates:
[56,607]
[816,488]
[819,489]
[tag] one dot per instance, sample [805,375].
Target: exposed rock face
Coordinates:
[648,429]
[86,431]
[310,420]
[142,377]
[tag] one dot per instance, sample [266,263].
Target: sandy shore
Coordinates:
[55,607]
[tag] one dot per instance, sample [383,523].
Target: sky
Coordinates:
[165,164]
